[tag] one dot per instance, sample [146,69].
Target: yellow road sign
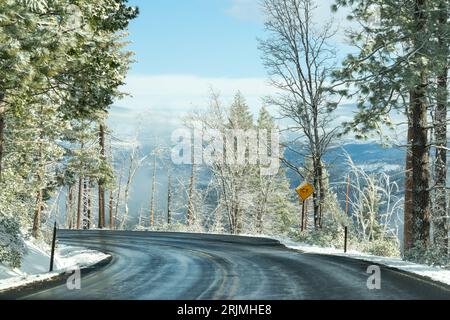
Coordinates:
[305,190]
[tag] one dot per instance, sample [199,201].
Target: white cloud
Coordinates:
[158,102]
[246,10]
[181,93]
[251,10]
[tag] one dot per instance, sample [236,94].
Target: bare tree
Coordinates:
[135,162]
[299,61]
[228,178]
[117,200]
[375,207]
[190,218]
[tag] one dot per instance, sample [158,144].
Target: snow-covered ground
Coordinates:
[433,273]
[36,262]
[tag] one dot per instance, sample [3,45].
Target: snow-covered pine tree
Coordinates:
[393,71]
[49,78]
[273,198]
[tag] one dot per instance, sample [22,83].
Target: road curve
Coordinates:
[151,265]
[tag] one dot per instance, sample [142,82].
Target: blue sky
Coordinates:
[185,48]
[208,38]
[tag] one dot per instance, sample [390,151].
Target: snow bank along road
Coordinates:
[151,265]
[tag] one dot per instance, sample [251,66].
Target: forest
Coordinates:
[63,65]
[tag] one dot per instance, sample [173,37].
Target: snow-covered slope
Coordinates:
[36,263]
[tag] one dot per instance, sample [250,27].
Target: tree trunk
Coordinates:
[237,225]
[85,203]
[111,218]
[321,190]
[190,211]
[37,215]
[69,210]
[420,149]
[407,211]
[259,220]
[101,206]
[169,201]
[101,187]
[305,218]
[116,211]
[316,201]
[89,206]
[80,195]
[127,190]
[420,168]
[439,217]
[39,198]
[2,132]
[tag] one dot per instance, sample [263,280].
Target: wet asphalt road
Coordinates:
[151,265]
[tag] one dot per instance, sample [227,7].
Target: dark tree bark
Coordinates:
[85,204]
[420,167]
[69,210]
[439,217]
[40,193]
[2,131]
[407,211]
[420,148]
[37,215]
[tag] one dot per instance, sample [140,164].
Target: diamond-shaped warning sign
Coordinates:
[305,190]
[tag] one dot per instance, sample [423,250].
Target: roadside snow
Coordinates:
[35,264]
[433,273]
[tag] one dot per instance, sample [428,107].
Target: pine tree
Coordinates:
[55,73]
[393,71]
[440,217]
[265,185]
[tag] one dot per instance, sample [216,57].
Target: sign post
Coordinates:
[302,225]
[52,256]
[304,191]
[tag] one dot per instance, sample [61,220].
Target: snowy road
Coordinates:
[149,265]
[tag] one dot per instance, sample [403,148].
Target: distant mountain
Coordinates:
[154,129]
[371,157]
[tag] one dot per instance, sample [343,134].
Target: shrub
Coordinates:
[430,255]
[12,246]
[384,248]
